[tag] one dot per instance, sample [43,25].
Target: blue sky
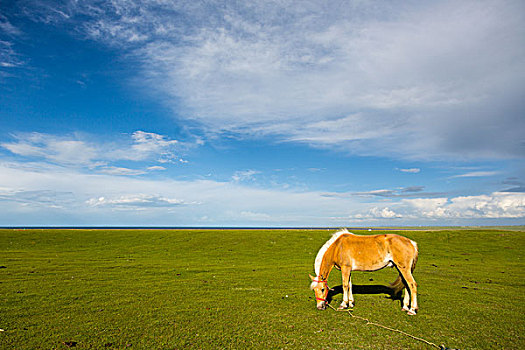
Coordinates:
[262,113]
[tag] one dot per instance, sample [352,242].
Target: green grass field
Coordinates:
[211,289]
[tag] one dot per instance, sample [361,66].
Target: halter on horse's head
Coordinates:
[320,288]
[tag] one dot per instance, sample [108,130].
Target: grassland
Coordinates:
[211,289]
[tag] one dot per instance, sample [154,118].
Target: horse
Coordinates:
[349,252]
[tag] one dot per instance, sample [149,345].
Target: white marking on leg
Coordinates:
[413,305]
[350,294]
[406,300]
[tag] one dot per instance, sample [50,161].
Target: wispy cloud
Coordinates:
[477,174]
[410,170]
[7,28]
[156,167]
[518,185]
[82,151]
[403,79]
[134,201]
[9,58]
[402,192]
[245,175]
[50,199]
[412,189]
[519,189]
[60,150]
[113,170]
[147,145]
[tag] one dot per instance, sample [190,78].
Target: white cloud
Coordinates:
[37,199]
[381,193]
[410,170]
[156,167]
[9,58]
[426,207]
[378,213]
[81,151]
[133,201]
[112,170]
[7,27]
[401,192]
[477,174]
[255,216]
[412,75]
[56,149]
[497,205]
[147,143]
[416,80]
[245,175]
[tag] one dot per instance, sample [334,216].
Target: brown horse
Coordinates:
[348,252]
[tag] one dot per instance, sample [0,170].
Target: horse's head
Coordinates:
[320,288]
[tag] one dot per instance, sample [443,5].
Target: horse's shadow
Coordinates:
[365,289]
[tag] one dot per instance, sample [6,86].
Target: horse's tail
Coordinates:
[416,253]
[398,285]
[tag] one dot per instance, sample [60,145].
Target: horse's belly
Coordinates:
[370,265]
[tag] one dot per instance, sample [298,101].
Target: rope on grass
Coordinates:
[441,347]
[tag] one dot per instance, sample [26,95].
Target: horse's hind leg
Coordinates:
[406,297]
[411,290]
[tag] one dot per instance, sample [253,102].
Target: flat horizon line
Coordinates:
[372,228]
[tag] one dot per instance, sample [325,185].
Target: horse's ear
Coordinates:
[311,277]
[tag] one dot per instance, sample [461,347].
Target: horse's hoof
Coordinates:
[405,309]
[411,312]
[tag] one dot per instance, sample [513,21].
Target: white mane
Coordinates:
[324,248]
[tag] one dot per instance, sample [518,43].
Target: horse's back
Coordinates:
[364,241]
[377,241]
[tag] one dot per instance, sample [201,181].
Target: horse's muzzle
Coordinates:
[321,306]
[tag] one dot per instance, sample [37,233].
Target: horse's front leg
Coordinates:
[348,298]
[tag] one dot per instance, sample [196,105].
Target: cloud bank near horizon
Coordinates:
[62,194]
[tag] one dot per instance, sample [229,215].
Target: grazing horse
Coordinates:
[348,252]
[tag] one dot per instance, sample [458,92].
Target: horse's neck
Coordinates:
[324,273]
[327,264]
